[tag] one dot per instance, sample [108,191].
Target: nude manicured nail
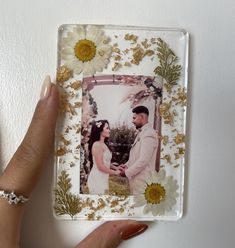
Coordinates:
[46,88]
[133,230]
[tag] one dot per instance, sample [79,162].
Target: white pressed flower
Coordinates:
[86,50]
[98,124]
[157,193]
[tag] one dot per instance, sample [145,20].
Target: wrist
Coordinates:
[112,172]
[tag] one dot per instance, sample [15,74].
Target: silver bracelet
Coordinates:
[12,198]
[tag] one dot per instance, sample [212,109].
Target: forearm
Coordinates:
[105,169]
[113,167]
[10,224]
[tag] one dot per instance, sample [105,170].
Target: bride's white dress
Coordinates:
[98,181]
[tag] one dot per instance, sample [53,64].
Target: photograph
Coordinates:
[121,128]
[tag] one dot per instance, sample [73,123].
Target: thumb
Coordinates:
[24,168]
[111,234]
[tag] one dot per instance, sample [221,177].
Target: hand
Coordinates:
[122,173]
[23,172]
[116,172]
[114,167]
[122,167]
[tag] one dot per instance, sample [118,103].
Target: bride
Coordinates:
[100,159]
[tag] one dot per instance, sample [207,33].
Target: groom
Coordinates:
[142,157]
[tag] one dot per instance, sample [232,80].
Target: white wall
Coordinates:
[28,34]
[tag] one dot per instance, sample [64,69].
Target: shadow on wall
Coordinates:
[189,124]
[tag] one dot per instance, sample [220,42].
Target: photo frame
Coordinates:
[120,138]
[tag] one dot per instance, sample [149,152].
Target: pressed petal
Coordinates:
[65,42]
[98,38]
[168,208]
[99,64]
[139,200]
[147,208]
[149,179]
[106,48]
[155,209]
[104,53]
[94,33]
[74,64]
[88,68]
[78,69]
[106,61]
[161,174]
[153,177]
[72,39]
[171,201]
[67,50]
[140,186]
[67,56]
[105,40]
[80,32]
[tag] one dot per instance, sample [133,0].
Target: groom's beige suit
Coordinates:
[142,158]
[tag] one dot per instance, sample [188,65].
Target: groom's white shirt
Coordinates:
[142,158]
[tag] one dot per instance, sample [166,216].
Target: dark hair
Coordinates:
[140,110]
[96,130]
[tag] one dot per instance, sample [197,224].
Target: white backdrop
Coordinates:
[118,112]
[28,35]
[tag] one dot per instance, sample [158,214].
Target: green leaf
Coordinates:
[170,71]
[65,202]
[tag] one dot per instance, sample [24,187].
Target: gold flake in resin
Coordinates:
[179,138]
[165,139]
[127,64]
[66,106]
[131,37]
[145,44]
[61,151]
[63,74]
[181,97]
[116,66]
[138,54]
[167,157]
[75,85]
[64,140]
[166,114]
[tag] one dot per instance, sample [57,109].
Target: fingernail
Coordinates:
[46,88]
[133,230]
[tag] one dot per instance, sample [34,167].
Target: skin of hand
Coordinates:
[122,166]
[23,172]
[122,173]
[122,169]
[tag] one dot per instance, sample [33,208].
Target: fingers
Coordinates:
[24,168]
[111,234]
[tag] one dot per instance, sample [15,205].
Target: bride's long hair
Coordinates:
[96,129]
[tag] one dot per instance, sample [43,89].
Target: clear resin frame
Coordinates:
[120,138]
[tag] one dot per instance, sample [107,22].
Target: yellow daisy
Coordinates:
[157,193]
[86,49]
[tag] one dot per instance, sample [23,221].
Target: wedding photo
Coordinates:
[121,126]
